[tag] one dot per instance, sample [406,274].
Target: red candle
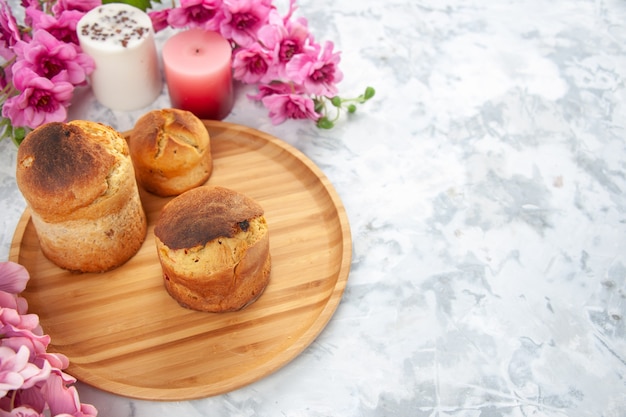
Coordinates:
[198,73]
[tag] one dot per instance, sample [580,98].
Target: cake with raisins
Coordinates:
[213,247]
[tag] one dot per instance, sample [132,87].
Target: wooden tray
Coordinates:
[124,334]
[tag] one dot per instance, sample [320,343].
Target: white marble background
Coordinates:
[485,190]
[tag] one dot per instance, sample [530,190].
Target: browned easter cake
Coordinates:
[171,151]
[78,181]
[213,246]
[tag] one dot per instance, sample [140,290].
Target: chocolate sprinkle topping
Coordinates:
[118,27]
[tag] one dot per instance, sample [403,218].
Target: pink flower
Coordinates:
[243,18]
[206,14]
[62,27]
[290,36]
[37,344]
[81,5]
[159,19]
[273,88]
[296,38]
[55,60]
[12,323]
[22,329]
[29,398]
[285,38]
[32,383]
[17,372]
[10,300]
[20,412]
[40,101]
[31,3]
[63,399]
[318,74]
[9,31]
[253,64]
[290,106]
[13,277]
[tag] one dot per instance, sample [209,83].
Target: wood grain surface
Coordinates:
[124,334]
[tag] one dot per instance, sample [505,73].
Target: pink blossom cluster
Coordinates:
[294,73]
[32,383]
[43,61]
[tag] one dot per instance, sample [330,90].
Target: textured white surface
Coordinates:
[485,190]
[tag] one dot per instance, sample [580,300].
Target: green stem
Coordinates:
[13,396]
[9,62]
[7,92]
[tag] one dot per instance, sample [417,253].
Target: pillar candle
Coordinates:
[198,73]
[120,39]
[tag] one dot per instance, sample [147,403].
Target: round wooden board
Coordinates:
[124,334]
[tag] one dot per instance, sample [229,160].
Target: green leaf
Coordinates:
[140,4]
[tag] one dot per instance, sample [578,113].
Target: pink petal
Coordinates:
[13,277]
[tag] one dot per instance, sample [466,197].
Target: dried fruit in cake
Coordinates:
[213,246]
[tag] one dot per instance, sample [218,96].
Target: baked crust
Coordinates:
[204,214]
[171,151]
[78,180]
[213,246]
[60,172]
